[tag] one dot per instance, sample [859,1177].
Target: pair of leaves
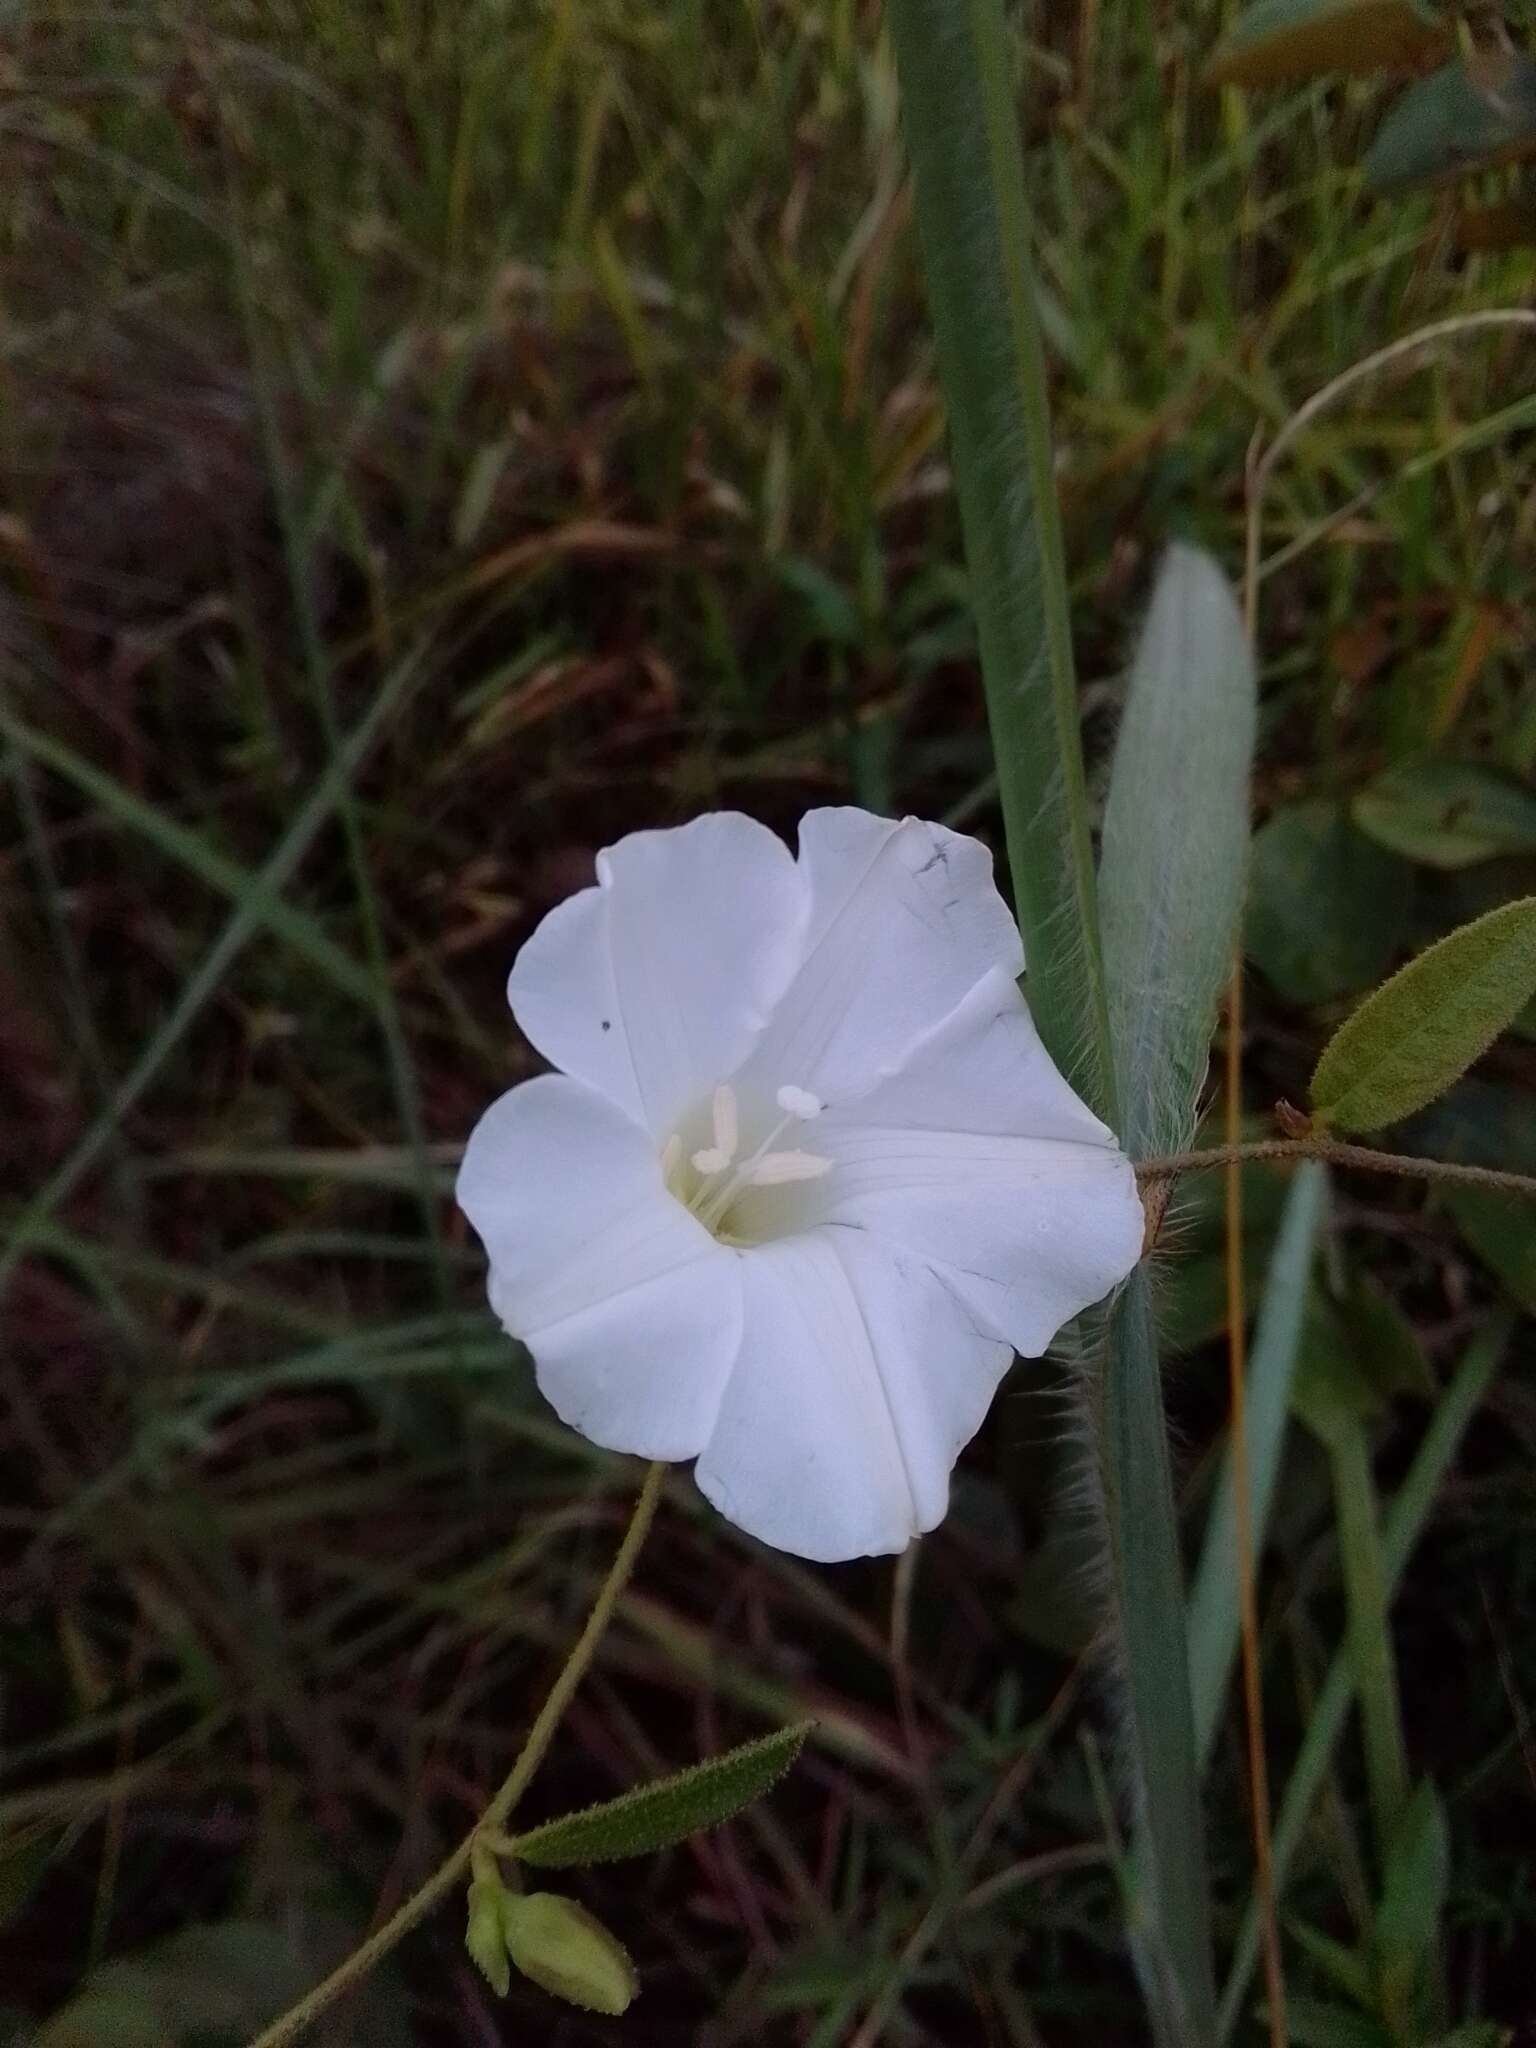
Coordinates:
[1421,1030]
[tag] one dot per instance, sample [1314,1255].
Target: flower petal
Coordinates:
[859,1380]
[631,1309]
[904,919]
[654,985]
[977,1158]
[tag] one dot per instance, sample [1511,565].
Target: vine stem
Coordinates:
[1335,1154]
[301,2016]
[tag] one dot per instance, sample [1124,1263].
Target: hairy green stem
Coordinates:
[303,2015]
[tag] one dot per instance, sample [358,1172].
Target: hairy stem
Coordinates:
[303,2015]
[1335,1154]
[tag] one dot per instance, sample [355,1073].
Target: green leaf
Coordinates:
[1476,2034]
[214,1986]
[568,1951]
[1171,874]
[1332,1392]
[1420,1031]
[654,1816]
[1386,1345]
[1417,1875]
[1469,116]
[959,107]
[1173,1943]
[1277,42]
[1448,814]
[1348,1970]
[1501,1229]
[1315,2025]
[1213,1605]
[1327,907]
[1405,1520]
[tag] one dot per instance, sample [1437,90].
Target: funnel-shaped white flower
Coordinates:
[807,1177]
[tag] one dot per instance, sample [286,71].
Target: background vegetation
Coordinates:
[439,440]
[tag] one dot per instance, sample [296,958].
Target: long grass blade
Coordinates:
[1404,1524]
[1214,1599]
[956,81]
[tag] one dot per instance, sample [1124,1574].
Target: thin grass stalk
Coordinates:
[956,76]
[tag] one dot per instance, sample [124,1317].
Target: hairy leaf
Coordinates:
[1421,1030]
[1175,848]
[654,1816]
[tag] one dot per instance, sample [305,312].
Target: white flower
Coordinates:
[807,1178]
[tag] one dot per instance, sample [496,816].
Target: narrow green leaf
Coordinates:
[1315,2025]
[1171,872]
[1327,907]
[1501,1229]
[960,116]
[1404,1524]
[179,843]
[1278,42]
[1469,116]
[1448,814]
[1414,1886]
[1421,1030]
[568,1951]
[1349,1970]
[1173,1946]
[654,1816]
[1213,1605]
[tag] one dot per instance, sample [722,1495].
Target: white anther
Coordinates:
[799,1102]
[713,1159]
[727,1131]
[775,1169]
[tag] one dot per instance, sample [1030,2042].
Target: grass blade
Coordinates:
[1172,1940]
[1213,1605]
[1404,1523]
[957,88]
[962,136]
[1175,848]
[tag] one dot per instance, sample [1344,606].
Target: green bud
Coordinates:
[564,1950]
[485,1937]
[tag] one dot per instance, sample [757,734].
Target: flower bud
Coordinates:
[565,1950]
[485,1936]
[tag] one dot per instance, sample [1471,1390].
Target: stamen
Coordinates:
[671,1153]
[727,1131]
[713,1159]
[775,1169]
[799,1102]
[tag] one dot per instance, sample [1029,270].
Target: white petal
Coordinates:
[859,1380]
[904,919]
[654,985]
[977,1158]
[631,1309]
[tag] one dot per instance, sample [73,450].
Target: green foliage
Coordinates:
[1327,908]
[1420,1031]
[657,1815]
[1416,1877]
[1501,1229]
[1277,1345]
[1448,814]
[567,1951]
[961,128]
[1175,848]
[213,1987]
[1279,42]
[1471,115]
